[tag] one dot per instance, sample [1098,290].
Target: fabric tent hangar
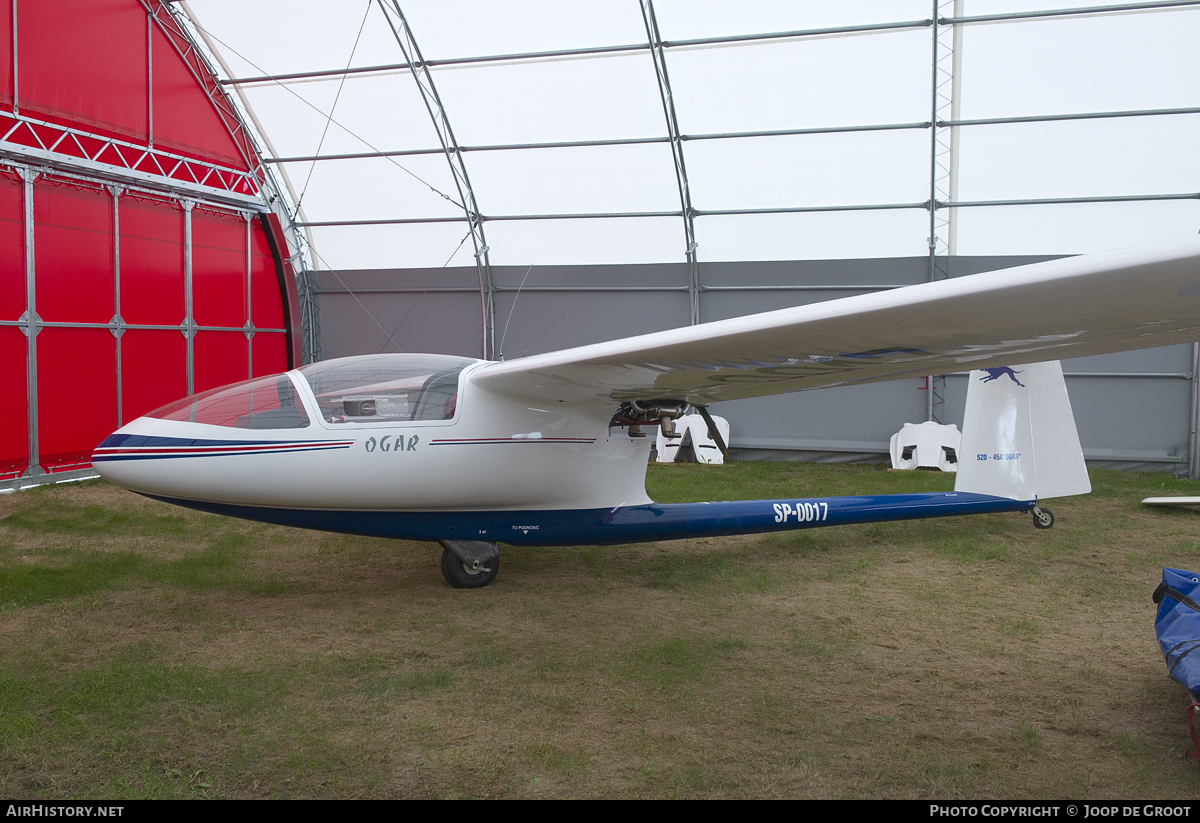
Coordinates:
[140,260]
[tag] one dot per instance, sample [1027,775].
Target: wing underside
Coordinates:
[1073,307]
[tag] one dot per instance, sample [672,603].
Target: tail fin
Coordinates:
[1019,438]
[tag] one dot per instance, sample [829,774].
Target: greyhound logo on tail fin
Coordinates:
[996,374]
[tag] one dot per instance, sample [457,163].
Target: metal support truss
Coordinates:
[97,155]
[685,196]
[310,323]
[118,326]
[279,193]
[943,166]
[441,124]
[106,157]
[162,16]
[31,324]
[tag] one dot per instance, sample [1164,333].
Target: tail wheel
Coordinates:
[1042,518]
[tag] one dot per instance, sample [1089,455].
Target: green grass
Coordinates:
[154,652]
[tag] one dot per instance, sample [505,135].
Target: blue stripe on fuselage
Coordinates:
[141,441]
[624,524]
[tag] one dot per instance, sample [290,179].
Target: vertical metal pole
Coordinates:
[309,327]
[16,78]
[933,110]
[32,325]
[933,84]
[1194,423]
[955,134]
[314,319]
[659,56]
[149,80]
[441,123]
[189,324]
[943,172]
[117,324]
[249,305]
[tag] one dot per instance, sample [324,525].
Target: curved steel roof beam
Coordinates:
[1111,8]
[261,132]
[162,17]
[594,51]
[685,196]
[441,124]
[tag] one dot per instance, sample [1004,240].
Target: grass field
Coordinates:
[150,651]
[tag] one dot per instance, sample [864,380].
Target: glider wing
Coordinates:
[1093,304]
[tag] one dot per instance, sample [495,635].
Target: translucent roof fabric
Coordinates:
[853,193]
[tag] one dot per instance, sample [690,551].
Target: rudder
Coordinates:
[1019,438]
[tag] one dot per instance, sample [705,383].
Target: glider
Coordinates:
[550,449]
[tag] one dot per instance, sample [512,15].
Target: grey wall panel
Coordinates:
[1136,421]
[442,323]
[880,272]
[372,310]
[1132,418]
[546,308]
[721,305]
[1174,360]
[364,281]
[548,321]
[1142,417]
[538,309]
[851,419]
[963,265]
[612,276]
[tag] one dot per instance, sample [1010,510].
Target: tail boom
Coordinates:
[627,524]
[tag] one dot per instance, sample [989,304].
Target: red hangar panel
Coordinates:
[139,261]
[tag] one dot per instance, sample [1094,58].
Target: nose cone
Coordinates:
[143,458]
[197,447]
[107,452]
[198,462]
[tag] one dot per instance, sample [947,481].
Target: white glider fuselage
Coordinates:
[547,450]
[495,452]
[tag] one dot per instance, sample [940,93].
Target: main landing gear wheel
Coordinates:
[460,576]
[1042,518]
[475,574]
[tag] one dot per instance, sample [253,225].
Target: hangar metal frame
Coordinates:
[35,141]
[202,73]
[946,23]
[30,323]
[42,152]
[676,140]
[441,123]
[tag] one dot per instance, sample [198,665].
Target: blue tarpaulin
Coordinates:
[1177,625]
